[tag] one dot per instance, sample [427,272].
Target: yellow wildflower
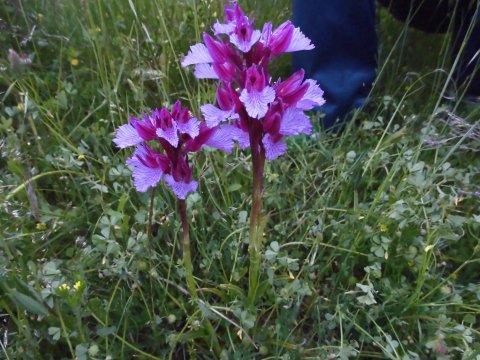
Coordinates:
[41,226]
[78,285]
[74,62]
[64,287]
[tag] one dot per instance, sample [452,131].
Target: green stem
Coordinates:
[187,255]
[150,217]
[256,220]
[187,262]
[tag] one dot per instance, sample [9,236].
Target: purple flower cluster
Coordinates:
[262,112]
[178,134]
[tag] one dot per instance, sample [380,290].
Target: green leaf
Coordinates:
[270,255]
[242,217]
[457,220]
[54,332]
[15,167]
[417,167]
[469,319]
[62,100]
[365,288]
[234,187]
[28,303]
[96,306]
[367,299]
[105,331]
[81,351]
[274,245]
[50,268]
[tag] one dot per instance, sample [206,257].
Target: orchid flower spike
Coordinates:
[177,133]
[238,55]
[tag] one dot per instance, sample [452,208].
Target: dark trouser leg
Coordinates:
[344,59]
[467,30]
[435,16]
[427,15]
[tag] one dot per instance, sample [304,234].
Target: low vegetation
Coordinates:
[372,244]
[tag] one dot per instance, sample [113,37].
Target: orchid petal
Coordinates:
[126,136]
[214,116]
[170,134]
[198,54]
[256,102]
[243,45]
[216,49]
[241,136]
[273,149]
[219,28]
[205,71]
[225,71]
[143,176]
[180,189]
[140,151]
[191,127]
[145,128]
[222,138]
[313,97]
[295,122]
[266,33]
[281,38]
[299,42]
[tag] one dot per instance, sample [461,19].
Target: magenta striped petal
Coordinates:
[191,127]
[227,28]
[170,134]
[313,97]
[273,149]
[244,45]
[295,122]
[256,102]
[198,54]
[126,136]
[214,116]
[241,137]
[299,42]
[281,38]
[180,189]
[143,176]
[205,71]
[222,138]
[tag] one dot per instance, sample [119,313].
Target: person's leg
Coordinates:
[467,30]
[431,16]
[436,16]
[344,59]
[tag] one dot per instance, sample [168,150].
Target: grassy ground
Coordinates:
[372,247]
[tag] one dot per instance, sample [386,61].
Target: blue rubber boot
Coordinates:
[344,59]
